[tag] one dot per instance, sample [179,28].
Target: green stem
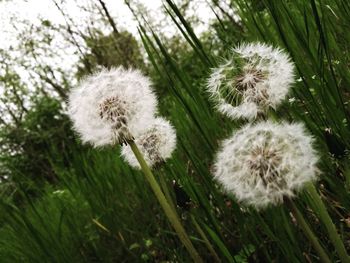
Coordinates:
[320,209]
[206,241]
[271,115]
[163,184]
[307,231]
[346,171]
[172,216]
[165,188]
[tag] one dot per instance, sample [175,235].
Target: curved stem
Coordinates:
[321,210]
[164,186]
[166,190]
[307,231]
[206,240]
[172,216]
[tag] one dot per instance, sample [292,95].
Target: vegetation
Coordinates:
[62,201]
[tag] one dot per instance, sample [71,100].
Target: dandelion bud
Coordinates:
[111,105]
[263,163]
[254,78]
[156,143]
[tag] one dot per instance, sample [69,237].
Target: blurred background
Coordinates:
[62,201]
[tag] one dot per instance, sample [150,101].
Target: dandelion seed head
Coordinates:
[111,105]
[156,142]
[263,163]
[253,79]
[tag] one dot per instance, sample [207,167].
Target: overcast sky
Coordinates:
[66,58]
[31,9]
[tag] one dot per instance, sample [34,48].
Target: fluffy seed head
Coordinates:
[254,78]
[263,163]
[156,143]
[111,105]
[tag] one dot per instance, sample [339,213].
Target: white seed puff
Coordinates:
[110,106]
[254,78]
[263,163]
[156,143]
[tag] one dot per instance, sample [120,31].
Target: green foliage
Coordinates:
[87,205]
[31,149]
[115,49]
[98,213]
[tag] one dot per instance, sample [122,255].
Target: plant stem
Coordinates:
[320,209]
[346,172]
[166,190]
[163,184]
[206,241]
[172,216]
[307,231]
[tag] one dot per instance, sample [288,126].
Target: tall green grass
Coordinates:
[101,211]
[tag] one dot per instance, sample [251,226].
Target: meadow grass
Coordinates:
[103,211]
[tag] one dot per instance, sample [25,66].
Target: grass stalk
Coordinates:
[164,185]
[167,193]
[172,216]
[321,211]
[206,240]
[307,231]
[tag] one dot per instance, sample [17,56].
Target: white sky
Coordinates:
[64,55]
[31,9]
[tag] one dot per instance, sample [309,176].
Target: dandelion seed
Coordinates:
[110,106]
[255,78]
[156,143]
[291,100]
[263,163]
